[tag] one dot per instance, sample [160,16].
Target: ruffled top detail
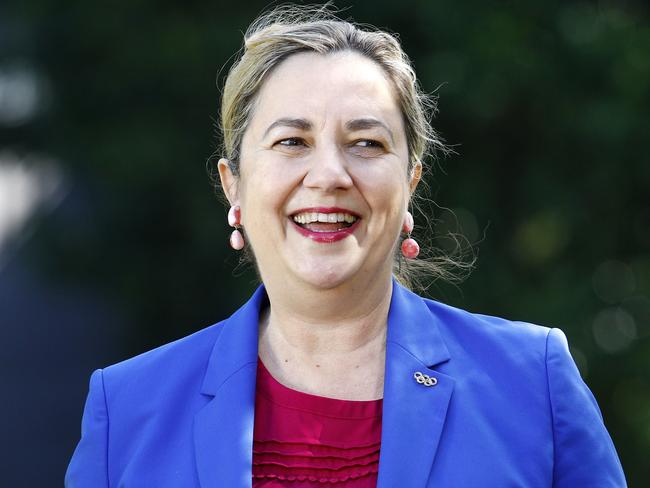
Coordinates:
[302,440]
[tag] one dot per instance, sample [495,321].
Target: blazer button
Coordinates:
[425,379]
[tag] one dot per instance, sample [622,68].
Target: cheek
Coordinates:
[264,194]
[386,201]
[384,190]
[256,200]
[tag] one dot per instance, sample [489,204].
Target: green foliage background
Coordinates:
[547,105]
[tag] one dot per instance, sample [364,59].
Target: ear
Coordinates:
[416,174]
[229,182]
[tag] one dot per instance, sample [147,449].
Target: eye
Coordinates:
[368,148]
[290,142]
[368,143]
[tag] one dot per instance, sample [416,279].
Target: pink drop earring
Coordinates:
[410,248]
[234,220]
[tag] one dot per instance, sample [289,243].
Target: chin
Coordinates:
[325,277]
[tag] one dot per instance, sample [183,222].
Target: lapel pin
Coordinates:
[425,379]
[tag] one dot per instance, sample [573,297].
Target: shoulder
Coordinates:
[523,374]
[182,361]
[503,350]
[476,331]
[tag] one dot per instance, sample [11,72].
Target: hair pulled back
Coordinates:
[291,29]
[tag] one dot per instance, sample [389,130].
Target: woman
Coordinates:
[333,373]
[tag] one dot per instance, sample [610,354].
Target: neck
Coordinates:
[341,324]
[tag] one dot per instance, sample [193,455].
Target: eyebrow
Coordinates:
[301,124]
[365,124]
[352,125]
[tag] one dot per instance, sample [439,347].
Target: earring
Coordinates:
[410,248]
[234,220]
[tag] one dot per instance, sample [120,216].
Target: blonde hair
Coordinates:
[291,29]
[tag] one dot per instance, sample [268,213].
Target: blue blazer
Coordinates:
[509,408]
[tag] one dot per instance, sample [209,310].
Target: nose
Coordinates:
[328,170]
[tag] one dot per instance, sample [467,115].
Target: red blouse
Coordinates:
[302,440]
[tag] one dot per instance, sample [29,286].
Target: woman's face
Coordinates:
[326,141]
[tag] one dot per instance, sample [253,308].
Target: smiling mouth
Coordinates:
[324,222]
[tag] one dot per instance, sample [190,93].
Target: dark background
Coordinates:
[112,241]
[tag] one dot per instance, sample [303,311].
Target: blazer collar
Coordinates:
[412,326]
[413,414]
[236,346]
[223,428]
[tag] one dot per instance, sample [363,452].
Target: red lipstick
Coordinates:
[330,236]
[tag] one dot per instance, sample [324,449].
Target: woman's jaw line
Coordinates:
[310,303]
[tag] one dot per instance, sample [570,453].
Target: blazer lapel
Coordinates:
[223,428]
[413,413]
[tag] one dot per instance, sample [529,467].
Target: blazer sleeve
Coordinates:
[89,464]
[584,454]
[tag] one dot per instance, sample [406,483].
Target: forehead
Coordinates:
[320,88]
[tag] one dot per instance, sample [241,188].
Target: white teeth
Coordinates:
[308,217]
